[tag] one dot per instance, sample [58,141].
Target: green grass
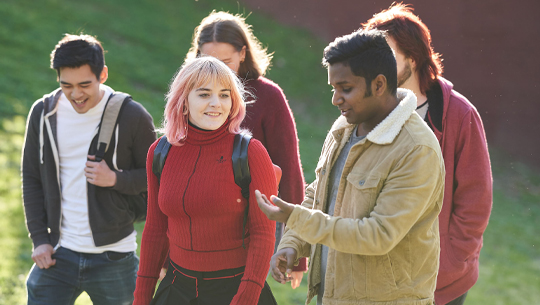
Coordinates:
[146,43]
[16,248]
[510,259]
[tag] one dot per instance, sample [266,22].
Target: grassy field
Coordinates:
[146,43]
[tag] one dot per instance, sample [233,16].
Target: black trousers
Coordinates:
[182,286]
[459,301]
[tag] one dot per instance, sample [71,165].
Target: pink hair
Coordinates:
[193,74]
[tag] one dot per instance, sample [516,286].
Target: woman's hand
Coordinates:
[163,272]
[296,278]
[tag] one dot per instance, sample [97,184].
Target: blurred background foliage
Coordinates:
[146,43]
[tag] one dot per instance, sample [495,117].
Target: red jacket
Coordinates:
[468,195]
[198,210]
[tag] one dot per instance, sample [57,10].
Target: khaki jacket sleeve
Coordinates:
[290,238]
[412,192]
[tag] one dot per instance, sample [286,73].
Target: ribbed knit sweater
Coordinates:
[271,121]
[198,210]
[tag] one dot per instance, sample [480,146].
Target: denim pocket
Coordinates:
[118,256]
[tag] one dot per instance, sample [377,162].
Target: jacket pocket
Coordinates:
[358,275]
[109,208]
[382,282]
[362,190]
[450,267]
[450,253]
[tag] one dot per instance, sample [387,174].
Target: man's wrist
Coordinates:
[114,178]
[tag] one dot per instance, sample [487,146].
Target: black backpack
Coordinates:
[109,120]
[242,176]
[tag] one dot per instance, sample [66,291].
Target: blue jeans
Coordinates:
[107,278]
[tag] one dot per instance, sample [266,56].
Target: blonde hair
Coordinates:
[196,73]
[232,29]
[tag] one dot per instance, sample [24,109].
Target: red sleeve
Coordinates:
[154,243]
[473,183]
[282,144]
[260,229]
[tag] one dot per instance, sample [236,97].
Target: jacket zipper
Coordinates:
[54,149]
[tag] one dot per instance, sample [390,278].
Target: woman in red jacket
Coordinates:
[228,38]
[195,210]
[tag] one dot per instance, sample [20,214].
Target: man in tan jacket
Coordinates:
[369,220]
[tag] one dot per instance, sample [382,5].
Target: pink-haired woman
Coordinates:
[195,210]
[229,38]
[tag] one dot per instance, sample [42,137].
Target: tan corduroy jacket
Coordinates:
[384,236]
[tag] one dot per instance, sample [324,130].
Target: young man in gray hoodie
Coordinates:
[79,211]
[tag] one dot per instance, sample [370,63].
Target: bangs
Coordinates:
[194,74]
[208,73]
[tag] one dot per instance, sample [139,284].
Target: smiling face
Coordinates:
[209,106]
[226,53]
[81,87]
[350,95]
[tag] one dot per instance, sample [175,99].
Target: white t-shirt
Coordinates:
[422,110]
[75,132]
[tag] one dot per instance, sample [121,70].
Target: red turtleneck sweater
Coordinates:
[198,210]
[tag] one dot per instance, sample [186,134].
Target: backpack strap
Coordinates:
[242,176]
[108,122]
[160,155]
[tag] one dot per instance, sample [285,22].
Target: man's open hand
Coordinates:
[279,211]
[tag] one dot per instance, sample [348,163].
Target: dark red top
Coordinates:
[271,121]
[198,209]
[468,191]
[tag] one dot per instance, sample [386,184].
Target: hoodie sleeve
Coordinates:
[32,187]
[473,188]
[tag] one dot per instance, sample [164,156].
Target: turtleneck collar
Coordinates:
[197,136]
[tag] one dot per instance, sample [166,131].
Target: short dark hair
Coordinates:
[412,38]
[232,29]
[74,51]
[367,54]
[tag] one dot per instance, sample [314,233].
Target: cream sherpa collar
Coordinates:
[387,130]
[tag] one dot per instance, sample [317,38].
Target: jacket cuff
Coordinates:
[41,240]
[248,293]
[120,184]
[302,265]
[293,220]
